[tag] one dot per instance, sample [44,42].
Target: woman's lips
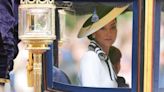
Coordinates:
[108,39]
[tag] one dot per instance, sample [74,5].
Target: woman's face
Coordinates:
[106,36]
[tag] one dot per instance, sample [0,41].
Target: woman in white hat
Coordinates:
[96,69]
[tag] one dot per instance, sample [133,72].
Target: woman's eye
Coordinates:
[103,29]
[113,28]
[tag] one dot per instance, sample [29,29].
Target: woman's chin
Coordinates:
[108,46]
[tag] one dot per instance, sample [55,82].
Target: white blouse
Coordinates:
[95,73]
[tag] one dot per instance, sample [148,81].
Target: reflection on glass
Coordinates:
[161,71]
[73,49]
[38,20]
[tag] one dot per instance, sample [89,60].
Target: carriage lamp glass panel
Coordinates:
[36,21]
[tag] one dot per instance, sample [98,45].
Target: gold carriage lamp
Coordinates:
[37,30]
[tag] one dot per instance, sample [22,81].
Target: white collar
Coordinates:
[98,50]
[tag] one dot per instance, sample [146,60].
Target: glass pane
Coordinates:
[39,20]
[161,71]
[72,49]
[35,21]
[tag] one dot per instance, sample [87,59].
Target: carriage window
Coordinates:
[84,41]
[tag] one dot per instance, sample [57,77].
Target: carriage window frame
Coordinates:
[135,44]
[156,19]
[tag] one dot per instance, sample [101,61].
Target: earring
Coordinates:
[93,36]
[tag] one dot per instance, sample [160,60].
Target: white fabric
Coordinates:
[95,73]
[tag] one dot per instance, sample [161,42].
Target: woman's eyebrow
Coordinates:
[113,23]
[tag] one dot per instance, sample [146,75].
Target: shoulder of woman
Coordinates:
[90,57]
[90,62]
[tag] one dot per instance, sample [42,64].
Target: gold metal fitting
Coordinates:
[2,80]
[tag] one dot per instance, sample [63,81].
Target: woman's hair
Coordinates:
[114,55]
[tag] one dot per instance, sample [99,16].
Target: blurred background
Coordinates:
[161,68]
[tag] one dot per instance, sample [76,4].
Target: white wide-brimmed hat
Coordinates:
[100,17]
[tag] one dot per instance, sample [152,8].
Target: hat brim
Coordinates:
[86,31]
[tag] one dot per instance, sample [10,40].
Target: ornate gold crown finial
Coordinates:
[37,2]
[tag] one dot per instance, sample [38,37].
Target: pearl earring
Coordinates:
[93,36]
